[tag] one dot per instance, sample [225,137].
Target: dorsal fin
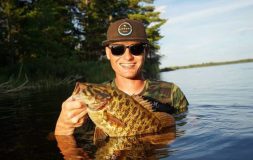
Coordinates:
[78,87]
[146,104]
[166,119]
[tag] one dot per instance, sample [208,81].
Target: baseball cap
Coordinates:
[126,30]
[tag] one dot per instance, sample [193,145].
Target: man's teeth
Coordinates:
[127,65]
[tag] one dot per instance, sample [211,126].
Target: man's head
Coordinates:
[126,45]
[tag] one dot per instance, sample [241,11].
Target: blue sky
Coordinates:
[199,31]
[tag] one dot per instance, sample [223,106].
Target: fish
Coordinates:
[117,114]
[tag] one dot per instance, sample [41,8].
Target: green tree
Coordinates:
[144,11]
[53,38]
[9,28]
[98,14]
[93,18]
[33,32]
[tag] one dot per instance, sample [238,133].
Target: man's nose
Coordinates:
[127,55]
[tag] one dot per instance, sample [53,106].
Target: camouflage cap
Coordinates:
[126,30]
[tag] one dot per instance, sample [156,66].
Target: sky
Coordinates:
[201,31]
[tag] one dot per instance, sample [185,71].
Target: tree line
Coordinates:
[55,39]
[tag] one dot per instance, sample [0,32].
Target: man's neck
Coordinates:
[130,86]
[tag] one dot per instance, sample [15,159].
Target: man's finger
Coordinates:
[78,117]
[73,105]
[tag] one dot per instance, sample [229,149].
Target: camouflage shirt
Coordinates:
[164,96]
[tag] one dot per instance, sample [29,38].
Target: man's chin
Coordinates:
[131,75]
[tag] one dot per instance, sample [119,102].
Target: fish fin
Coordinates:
[79,87]
[146,104]
[161,138]
[166,119]
[99,135]
[114,120]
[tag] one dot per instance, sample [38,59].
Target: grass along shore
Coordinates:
[47,73]
[166,69]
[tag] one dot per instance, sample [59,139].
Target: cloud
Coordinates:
[162,9]
[245,29]
[222,8]
[205,31]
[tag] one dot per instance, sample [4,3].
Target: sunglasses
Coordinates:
[135,49]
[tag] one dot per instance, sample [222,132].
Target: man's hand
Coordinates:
[73,114]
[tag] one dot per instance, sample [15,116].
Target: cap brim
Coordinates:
[106,42]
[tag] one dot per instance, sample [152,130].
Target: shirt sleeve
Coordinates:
[179,101]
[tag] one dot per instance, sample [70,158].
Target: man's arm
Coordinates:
[179,101]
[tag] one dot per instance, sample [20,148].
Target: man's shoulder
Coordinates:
[159,90]
[160,84]
[109,83]
[156,81]
[167,93]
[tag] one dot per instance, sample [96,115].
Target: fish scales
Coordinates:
[133,116]
[116,113]
[129,114]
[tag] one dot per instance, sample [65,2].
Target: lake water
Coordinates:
[218,124]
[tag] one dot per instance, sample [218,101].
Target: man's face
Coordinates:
[126,65]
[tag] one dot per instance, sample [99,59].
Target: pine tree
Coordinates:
[9,28]
[40,34]
[98,14]
[34,34]
[144,11]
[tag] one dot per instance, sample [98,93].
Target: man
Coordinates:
[126,47]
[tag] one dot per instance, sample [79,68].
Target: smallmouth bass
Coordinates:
[117,114]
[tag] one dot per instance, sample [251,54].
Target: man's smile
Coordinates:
[127,65]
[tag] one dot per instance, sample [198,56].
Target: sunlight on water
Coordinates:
[219,85]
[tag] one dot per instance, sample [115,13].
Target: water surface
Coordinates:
[218,124]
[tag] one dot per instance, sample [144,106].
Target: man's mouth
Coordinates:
[127,65]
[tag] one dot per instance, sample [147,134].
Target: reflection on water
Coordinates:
[218,124]
[26,118]
[135,147]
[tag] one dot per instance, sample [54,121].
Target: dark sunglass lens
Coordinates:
[137,49]
[118,49]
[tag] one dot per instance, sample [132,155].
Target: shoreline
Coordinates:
[209,64]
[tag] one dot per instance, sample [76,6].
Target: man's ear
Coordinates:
[108,53]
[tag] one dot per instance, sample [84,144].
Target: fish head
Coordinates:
[94,96]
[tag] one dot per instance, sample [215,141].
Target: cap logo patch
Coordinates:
[125,29]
